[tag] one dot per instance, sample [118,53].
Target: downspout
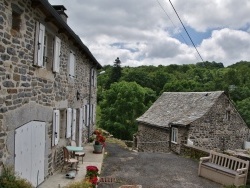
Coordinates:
[90,92]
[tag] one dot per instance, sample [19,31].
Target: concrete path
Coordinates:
[59,179]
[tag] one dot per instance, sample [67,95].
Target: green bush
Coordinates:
[80,184]
[8,179]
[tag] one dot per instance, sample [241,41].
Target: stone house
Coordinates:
[204,119]
[47,87]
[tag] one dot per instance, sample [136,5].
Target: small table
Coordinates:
[74,149]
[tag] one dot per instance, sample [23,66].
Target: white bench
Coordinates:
[224,169]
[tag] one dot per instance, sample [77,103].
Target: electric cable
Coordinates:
[186,31]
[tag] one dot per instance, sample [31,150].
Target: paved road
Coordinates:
[152,170]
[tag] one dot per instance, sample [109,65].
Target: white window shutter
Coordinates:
[80,126]
[57,53]
[40,44]
[56,127]
[69,122]
[71,64]
[74,125]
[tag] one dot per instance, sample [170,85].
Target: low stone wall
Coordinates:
[194,152]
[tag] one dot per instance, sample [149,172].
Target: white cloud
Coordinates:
[140,33]
[227,46]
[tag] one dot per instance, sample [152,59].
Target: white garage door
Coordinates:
[30,152]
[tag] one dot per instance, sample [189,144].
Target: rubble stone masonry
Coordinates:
[25,87]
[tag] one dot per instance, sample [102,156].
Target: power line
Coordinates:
[186,31]
[171,20]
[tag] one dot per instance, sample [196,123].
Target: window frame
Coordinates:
[174,135]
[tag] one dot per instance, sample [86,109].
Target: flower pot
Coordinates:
[98,148]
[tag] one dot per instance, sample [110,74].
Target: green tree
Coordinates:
[120,107]
[244,110]
[115,74]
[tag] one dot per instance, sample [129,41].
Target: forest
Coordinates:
[125,93]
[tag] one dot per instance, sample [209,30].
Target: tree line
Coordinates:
[125,93]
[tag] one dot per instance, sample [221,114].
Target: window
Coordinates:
[16,17]
[16,21]
[228,115]
[71,66]
[47,49]
[174,135]
[86,115]
[93,77]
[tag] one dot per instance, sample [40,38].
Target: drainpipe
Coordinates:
[90,92]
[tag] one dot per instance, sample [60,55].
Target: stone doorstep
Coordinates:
[130,186]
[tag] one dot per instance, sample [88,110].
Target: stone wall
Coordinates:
[24,84]
[215,131]
[152,139]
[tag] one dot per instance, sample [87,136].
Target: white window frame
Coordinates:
[174,135]
[57,54]
[71,64]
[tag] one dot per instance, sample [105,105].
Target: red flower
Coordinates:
[92,168]
[93,180]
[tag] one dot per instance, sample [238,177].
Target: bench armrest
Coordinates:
[203,159]
[241,170]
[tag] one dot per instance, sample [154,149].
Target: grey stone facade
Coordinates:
[207,119]
[31,93]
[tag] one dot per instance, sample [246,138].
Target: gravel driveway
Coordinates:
[152,170]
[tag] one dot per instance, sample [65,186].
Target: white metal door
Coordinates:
[23,151]
[30,152]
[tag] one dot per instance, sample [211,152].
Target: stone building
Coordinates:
[204,119]
[47,87]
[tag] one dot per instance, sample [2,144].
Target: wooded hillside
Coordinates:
[124,93]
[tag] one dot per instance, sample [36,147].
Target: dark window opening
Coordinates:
[16,18]
[16,21]
[228,115]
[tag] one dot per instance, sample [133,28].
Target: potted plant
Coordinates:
[99,141]
[92,175]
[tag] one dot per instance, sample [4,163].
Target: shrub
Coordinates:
[80,184]
[8,179]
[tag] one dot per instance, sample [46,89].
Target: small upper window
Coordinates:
[228,115]
[16,17]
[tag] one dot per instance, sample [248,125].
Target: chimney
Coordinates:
[60,10]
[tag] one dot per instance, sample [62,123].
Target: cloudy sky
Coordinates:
[148,32]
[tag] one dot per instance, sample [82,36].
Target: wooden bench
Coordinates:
[224,169]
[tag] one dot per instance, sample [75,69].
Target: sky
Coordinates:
[148,32]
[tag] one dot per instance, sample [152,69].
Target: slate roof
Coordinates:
[180,108]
